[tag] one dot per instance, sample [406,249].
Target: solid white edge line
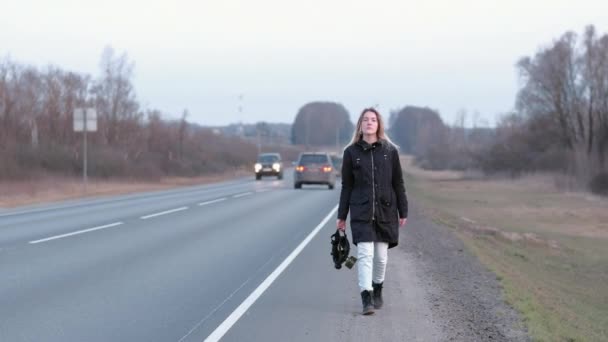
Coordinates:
[214,201]
[163,213]
[243,194]
[214,310]
[77,232]
[221,330]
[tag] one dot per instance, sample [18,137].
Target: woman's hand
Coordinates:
[341,224]
[402,222]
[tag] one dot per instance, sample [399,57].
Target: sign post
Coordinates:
[85,120]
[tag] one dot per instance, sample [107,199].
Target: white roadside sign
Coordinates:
[82,115]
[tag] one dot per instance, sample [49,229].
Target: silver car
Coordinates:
[314,168]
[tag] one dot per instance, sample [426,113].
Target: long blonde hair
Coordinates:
[381,134]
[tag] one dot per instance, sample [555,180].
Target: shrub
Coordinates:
[599,184]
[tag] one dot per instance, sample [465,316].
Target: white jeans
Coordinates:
[371,261]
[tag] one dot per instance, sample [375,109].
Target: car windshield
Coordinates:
[268,159]
[313,159]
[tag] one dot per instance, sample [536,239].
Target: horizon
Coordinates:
[205,57]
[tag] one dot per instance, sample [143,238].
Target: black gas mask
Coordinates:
[340,247]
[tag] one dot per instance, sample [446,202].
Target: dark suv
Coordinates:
[314,168]
[268,164]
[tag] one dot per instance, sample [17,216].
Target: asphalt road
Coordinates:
[236,261]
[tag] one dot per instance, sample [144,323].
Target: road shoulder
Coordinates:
[466,298]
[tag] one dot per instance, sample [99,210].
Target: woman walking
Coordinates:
[374,193]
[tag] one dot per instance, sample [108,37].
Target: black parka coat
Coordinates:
[373,192]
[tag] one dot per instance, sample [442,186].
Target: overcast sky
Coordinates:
[281,54]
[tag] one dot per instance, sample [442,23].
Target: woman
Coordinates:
[374,193]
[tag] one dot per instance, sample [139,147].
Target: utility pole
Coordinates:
[337,139]
[241,130]
[257,131]
[307,130]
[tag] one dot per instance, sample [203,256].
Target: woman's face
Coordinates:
[369,124]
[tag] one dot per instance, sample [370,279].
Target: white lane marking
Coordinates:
[140,196]
[243,194]
[163,213]
[214,201]
[262,190]
[77,232]
[213,311]
[221,330]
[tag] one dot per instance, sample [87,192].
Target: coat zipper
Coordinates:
[373,188]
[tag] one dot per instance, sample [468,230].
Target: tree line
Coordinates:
[560,122]
[321,123]
[36,134]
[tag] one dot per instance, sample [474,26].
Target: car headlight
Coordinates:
[258,167]
[276,166]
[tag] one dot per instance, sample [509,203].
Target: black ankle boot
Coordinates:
[368,306]
[378,302]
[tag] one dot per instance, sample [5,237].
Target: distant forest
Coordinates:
[37,137]
[560,124]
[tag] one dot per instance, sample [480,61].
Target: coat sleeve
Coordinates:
[347,185]
[399,186]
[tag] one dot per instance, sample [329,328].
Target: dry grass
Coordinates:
[549,247]
[51,189]
[532,204]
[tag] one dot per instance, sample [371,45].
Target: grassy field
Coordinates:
[548,248]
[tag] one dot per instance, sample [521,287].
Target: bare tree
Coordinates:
[36,135]
[408,124]
[114,95]
[183,124]
[568,83]
[317,123]
[594,60]
[10,125]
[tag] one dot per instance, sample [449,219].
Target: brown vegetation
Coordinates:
[561,122]
[37,137]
